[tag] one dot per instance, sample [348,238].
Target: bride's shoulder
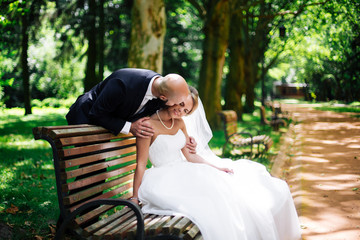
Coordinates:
[181,124]
[180,121]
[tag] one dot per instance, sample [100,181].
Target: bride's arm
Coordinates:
[142,153]
[195,158]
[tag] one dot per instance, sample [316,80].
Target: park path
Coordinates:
[321,163]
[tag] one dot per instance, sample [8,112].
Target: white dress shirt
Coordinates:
[148,96]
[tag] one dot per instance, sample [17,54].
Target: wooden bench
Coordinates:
[274,122]
[277,111]
[94,177]
[242,139]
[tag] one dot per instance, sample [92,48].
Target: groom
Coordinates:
[124,100]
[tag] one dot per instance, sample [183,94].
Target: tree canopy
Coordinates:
[231,50]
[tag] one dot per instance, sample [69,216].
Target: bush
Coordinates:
[53,102]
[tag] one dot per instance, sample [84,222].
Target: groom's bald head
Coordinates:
[172,88]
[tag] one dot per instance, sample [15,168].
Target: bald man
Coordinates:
[122,102]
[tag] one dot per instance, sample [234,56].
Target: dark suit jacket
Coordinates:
[114,101]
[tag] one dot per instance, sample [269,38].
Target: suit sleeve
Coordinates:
[111,99]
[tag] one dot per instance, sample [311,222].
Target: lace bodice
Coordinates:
[166,149]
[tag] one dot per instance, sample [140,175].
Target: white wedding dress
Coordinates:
[249,204]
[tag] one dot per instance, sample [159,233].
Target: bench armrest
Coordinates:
[140,233]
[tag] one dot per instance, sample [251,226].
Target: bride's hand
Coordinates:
[227,170]
[135,200]
[191,145]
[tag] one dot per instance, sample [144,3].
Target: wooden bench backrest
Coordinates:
[90,163]
[229,117]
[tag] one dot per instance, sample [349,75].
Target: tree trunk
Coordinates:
[147,35]
[250,75]
[256,45]
[235,85]
[216,32]
[90,72]
[24,64]
[101,45]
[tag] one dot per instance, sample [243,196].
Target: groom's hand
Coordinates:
[191,145]
[142,128]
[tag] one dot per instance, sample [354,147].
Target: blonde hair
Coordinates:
[195,97]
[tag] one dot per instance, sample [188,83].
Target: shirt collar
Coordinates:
[148,93]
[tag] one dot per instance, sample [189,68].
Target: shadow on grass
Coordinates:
[28,201]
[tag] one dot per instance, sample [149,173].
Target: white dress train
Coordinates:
[249,204]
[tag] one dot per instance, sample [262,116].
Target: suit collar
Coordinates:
[148,93]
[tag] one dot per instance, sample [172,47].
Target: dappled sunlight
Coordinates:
[6,175]
[315,147]
[23,143]
[354,146]
[329,185]
[318,126]
[315,159]
[324,174]
[329,177]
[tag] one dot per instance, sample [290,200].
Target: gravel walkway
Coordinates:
[320,160]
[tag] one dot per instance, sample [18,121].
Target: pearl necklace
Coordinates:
[157,113]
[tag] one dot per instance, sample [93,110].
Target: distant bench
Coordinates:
[94,172]
[242,139]
[275,120]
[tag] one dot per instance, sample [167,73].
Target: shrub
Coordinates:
[53,102]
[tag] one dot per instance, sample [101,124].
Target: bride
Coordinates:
[238,197]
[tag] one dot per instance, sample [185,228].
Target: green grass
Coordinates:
[335,106]
[28,200]
[250,121]
[339,107]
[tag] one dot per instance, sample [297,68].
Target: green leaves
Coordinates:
[322,42]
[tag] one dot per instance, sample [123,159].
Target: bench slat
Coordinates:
[98,166]
[109,194]
[157,227]
[86,139]
[114,220]
[92,214]
[103,222]
[73,198]
[88,149]
[123,230]
[199,237]
[132,231]
[193,231]
[167,228]
[70,132]
[180,226]
[44,130]
[153,222]
[97,178]
[95,157]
